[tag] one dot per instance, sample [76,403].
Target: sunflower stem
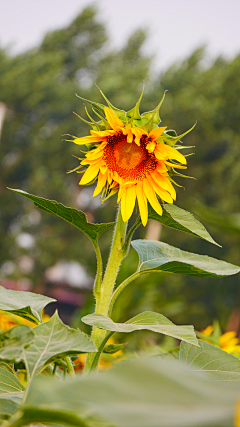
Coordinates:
[103,301]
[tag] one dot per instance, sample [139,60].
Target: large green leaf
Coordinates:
[148,320]
[147,392]
[11,393]
[14,341]
[54,340]
[211,359]
[73,216]
[160,256]
[7,407]
[179,219]
[25,304]
[10,386]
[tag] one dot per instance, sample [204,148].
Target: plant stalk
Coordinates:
[70,367]
[103,301]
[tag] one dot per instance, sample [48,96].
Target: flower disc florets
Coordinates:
[130,155]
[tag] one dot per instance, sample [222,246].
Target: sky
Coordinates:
[176,27]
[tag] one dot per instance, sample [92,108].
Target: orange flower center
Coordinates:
[130,161]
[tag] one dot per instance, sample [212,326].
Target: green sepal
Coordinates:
[173,172]
[99,107]
[113,348]
[134,113]
[83,120]
[152,118]
[75,169]
[95,125]
[172,140]
[103,121]
[119,113]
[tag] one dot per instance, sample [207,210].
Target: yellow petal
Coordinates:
[174,165]
[86,140]
[227,338]
[163,194]
[164,151]
[161,168]
[103,168]
[142,203]
[156,133]
[138,132]
[151,196]
[94,155]
[151,147]
[208,330]
[128,202]
[90,174]
[163,182]
[128,131]
[102,133]
[112,119]
[101,182]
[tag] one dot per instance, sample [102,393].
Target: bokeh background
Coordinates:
[49,51]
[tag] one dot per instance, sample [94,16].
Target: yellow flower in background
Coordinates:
[8,320]
[106,360]
[228,341]
[131,155]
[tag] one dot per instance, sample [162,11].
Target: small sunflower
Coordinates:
[131,155]
[228,341]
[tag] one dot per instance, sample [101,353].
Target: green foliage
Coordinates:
[163,257]
[211,359]
[11,392]
[73,216]
[14,341]
[179,219]
[54,340]
[144,392]
[24,304]
[151,321]
[113,348]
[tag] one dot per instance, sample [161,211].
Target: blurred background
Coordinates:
[49,51]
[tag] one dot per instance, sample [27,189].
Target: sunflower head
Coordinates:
[130,154]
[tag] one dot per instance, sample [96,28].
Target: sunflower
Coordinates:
[228,341]
[131,155]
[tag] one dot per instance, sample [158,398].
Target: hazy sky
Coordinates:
[176,27]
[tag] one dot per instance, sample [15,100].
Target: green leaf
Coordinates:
[148,320]
[14,341]
[54,340]
[144,392]
[7,407]
[6,366]
[160,256]
[211,359]
[10,387]
[25,304]
[113,348]
[71,215]
[179,219]
[41,415]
